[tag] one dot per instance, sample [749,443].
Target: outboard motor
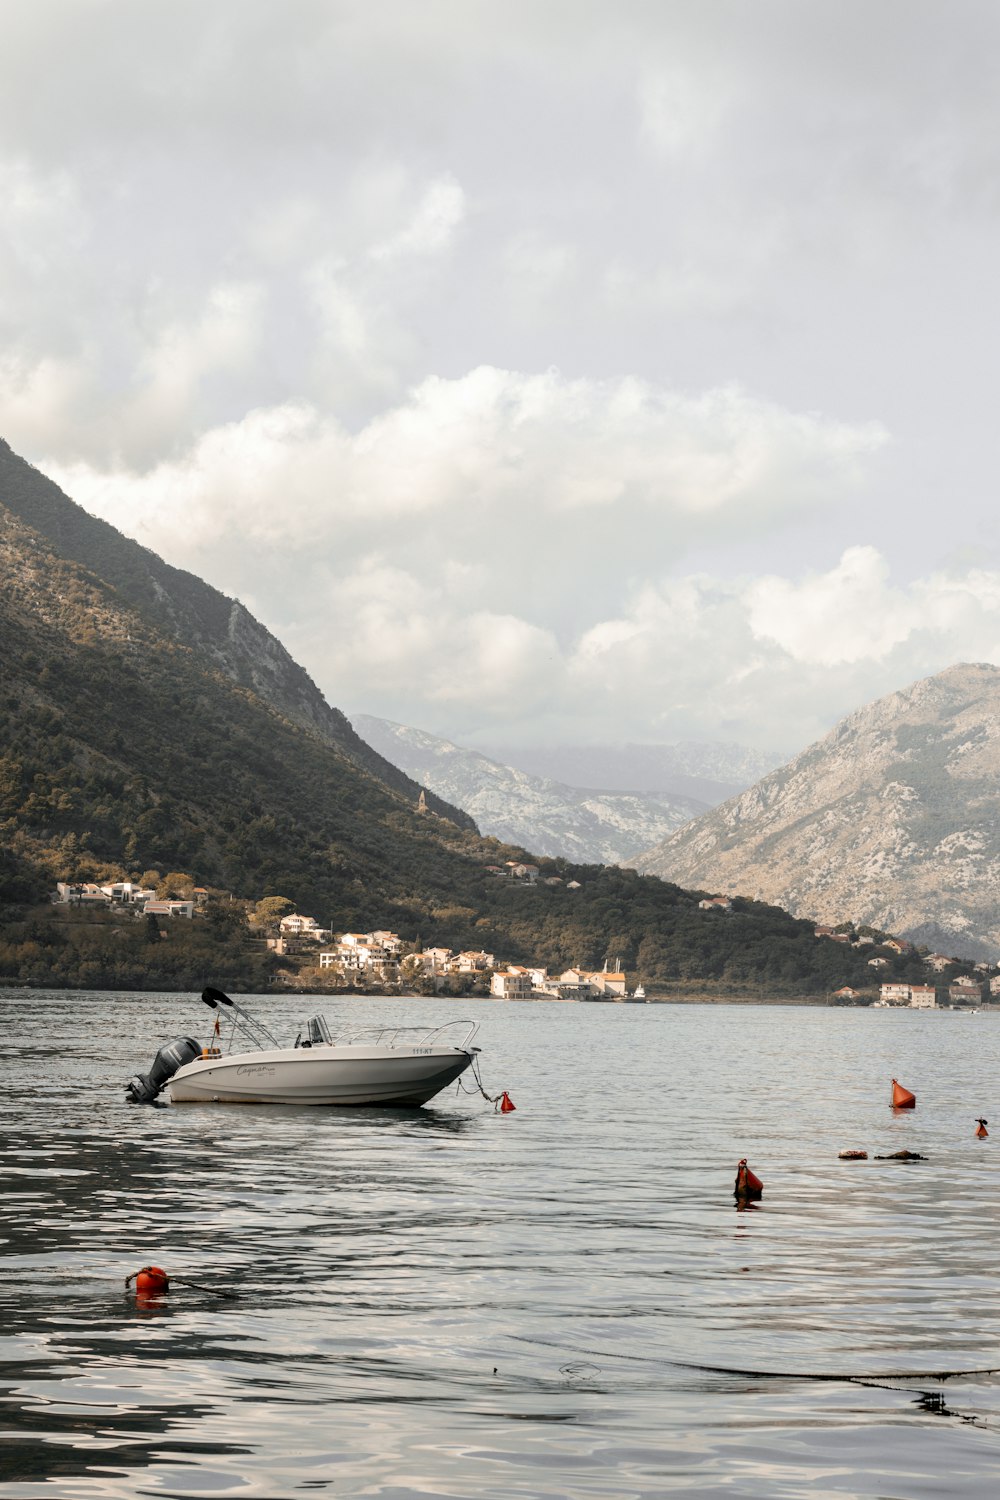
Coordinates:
[144,1087]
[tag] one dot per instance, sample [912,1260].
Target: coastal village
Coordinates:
[370,960]
[381,960]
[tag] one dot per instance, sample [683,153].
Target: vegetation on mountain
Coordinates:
[57,947]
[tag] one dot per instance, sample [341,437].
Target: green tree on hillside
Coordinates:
[271,909]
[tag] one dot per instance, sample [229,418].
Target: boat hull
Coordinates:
[337,1075]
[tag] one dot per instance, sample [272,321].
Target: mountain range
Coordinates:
[149,723]
[892,819]
[579,823]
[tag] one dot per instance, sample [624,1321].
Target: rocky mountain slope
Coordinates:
[189,611]
[596,827]
[892,819]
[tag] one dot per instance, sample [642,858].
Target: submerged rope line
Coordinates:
[839,1377]
[855,1377]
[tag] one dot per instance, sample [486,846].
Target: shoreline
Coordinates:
[16,986]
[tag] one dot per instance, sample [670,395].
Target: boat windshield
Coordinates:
[317,1032]
[456,1034]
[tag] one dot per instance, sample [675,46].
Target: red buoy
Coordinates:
[902,1098]
[748,1184]
[151,1281]
[507,1104]
[981,1130]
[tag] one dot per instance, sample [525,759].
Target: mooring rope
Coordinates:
[840,1377]
[495,1099]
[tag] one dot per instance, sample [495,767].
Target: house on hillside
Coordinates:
[923,997]
[833,935]
[715,903]
[169,908]
[895,994]
[471,963]
[965,990]
[511,984]
[295,925]
[85,893]
[127,893]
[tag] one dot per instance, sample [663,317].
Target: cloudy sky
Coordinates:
[536,371]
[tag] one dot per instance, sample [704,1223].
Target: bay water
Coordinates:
[562,1301]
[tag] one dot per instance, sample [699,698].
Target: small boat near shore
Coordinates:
[377,1065]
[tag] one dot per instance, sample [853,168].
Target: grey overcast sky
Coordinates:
[535,371]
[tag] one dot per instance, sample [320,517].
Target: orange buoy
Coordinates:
[507,1105]
[902,1098]
[151,1281]
[748,1184]
[981,1130]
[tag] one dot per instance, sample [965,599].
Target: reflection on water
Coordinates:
[561,1301]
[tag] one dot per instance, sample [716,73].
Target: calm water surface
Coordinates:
[450,1302]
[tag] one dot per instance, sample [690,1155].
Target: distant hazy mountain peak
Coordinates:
[582,823]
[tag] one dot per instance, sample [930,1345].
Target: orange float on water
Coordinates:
[507,1105]
[748,1184]
[902,1098]
[981,1128]
[151,1281]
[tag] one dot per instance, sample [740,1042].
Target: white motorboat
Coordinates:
[389,1065]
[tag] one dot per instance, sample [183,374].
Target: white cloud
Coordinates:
[781,656]
[681,108]
[503,448]
[468,549]
[432,228]
[422,644]
[849,614]
[40,396]
[182,355]
[855,614]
